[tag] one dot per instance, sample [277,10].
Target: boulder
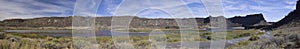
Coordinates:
[12,39]
[2,35]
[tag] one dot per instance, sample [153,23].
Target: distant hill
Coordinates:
[105,22]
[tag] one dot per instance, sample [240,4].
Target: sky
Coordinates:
[273,10]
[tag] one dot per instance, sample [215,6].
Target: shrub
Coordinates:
[253,38]
[23,44]
[290,41]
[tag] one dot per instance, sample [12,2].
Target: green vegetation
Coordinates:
[25,35]
[20,42]
[35,41]
[37,28]
[243,33]
[230,34]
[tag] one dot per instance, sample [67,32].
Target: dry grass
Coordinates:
[290,41]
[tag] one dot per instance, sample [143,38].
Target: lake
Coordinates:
[61,33]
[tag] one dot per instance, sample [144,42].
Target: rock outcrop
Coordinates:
[250,20]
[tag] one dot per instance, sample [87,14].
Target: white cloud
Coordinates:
[108,7]
[214,7]
[30,8]
[86,7]
[192,1]
[199,11]
[273,10]
[176,8]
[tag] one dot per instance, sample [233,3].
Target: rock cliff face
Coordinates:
[250,20]
[105,22]
[291,20]
[298,5]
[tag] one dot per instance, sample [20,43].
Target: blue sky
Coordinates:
[273,10]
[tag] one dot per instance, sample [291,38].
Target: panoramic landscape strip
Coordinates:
[128,29]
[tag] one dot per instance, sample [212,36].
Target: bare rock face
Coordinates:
[291,20]
[298,5]
[249,20]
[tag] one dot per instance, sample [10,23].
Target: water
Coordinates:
[62,33]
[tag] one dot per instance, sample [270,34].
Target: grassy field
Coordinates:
[37,28]
[34,41]
[290,41]
[229,34]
